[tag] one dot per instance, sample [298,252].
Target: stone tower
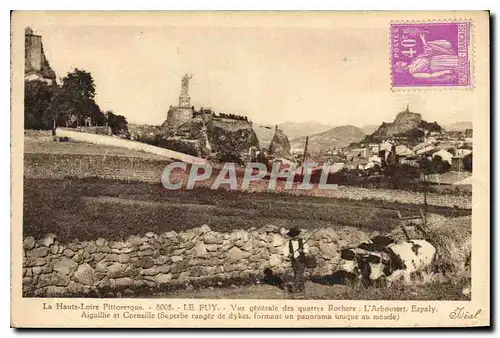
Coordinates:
[179,115]
[36,66]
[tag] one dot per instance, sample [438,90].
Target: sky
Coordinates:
[335,74]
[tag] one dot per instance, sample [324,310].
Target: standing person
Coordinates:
[297,252]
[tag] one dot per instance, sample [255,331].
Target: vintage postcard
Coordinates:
[250,169]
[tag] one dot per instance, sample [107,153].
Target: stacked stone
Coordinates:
[157,261]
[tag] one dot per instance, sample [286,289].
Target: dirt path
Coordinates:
[44,146]
[451,290]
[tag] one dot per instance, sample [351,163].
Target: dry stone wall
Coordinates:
[155,262]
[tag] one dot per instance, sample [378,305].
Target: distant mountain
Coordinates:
[459,126]
[369,129]
[265,132]
[297,129]
[337,137]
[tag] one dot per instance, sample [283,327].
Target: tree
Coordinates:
[412,134]
[434,166]
[38,99]
[468,163]
[399,176]
[94,112]
[60,108]
[117,123]
[431,127]
[81,85]
[227,156]
[68,105]
[78,93]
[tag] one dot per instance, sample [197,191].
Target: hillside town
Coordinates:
[410,146]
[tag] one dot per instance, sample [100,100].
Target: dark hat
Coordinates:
[293,232]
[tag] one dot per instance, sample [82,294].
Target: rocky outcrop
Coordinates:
[102,267]
[177,116]
[231,141]
[186,146]
[227,141]
[404,122]
[280,146]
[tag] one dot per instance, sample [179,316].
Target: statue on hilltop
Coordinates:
[185,84]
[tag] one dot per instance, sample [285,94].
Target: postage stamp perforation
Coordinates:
[472,32]
[471,87]
[422,86]
[431,21]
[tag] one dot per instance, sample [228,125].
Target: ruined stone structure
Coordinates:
[176,116]
[36,66]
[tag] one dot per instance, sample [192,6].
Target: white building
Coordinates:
[444,154]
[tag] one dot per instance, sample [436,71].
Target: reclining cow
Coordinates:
[351,255]
[375,261]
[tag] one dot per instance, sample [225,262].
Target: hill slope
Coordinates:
[264,133]
[369,129]
[298,129]
[459,126]
[337,137]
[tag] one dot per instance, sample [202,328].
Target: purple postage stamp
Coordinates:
[431,54]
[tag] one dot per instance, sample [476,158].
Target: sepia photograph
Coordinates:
[216,156]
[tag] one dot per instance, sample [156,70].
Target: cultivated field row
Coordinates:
[58,166]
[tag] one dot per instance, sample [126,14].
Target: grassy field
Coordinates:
[90,208]
[44,146]
[449,290]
